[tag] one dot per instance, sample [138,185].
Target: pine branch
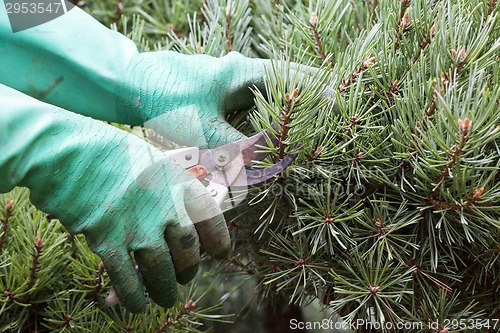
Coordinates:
[118,13]
[373,9]
[67,321]
[404,6]
[74,248]
[313,20]
[228,27]
[367,62]
[469,202]
[286,118]
[403,23]
[315,155]
[357,15]
[357,157]
[492,5]
[380,226]
[33,269]
[5,222]
[98,280]
[421,126]
[462,60]
[423,44]
[353,122]
[174,320]
[404,164]
[393,89]
[418,271]
[456,150]
[32,277]
[203,19]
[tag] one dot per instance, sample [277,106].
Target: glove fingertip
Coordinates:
[214,236]
[187,275]
[167,302]
[125,280]
[137,307]
[222,255]
[220,132]
[133,301]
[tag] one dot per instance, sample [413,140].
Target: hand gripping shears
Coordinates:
[224,168]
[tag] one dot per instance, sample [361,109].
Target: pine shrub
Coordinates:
[390,213]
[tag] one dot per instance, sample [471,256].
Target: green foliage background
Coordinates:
[390,213]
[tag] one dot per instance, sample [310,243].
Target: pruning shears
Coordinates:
[225,168]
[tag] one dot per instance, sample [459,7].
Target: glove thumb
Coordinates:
[219,132]
[187,127]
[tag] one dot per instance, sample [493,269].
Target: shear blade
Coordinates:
[250,153]
[261,175]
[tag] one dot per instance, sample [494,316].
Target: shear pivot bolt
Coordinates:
[213,192]
[221,158]
[188,157]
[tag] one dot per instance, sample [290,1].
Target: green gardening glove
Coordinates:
[184,97]
[78,64]
[117,190]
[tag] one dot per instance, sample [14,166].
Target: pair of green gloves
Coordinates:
[113,187]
